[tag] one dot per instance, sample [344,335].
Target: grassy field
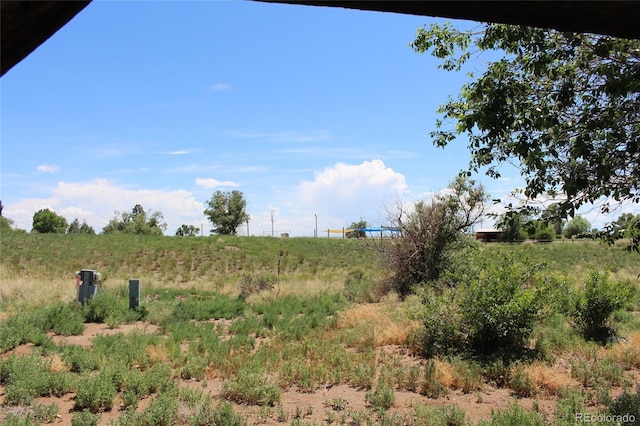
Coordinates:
[244,330]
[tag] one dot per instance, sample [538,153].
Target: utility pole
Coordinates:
[272,233]
[315,232]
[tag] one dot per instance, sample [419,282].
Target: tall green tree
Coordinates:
[46,221]
[137,222]
[76,227]
[226,212]
[187,231]
[578,226]
[564,107]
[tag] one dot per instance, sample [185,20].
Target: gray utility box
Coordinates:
[88,287]
[134,293]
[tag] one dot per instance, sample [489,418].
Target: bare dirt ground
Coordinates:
[318,405]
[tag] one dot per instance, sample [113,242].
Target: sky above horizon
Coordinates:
[317,115]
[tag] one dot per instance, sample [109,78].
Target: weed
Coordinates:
[627,404]
[515,415]
[521,382]
[222,415]
[46,413]
[383,397]
[444,415]
[85,418]
[95,393]
[251,388]
[430,385]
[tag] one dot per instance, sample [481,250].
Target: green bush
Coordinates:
[221,415]
[514,415]
[80,359]
[251,388]
[162,411]
[95,393]
[383,398]
[85,418]
[213,306]
[106,306]
[24,378]
[444,331]
[65,319]
[597,303]
[627,404]
[501,307]
[358,286]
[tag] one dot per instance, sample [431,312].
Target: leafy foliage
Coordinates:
[76,228]
[187,231]
[46,221]
[227,211]
[562,106]
[431,233]
[598,302]
[578,226]
[137,222]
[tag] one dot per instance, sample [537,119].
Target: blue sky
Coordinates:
[310,112]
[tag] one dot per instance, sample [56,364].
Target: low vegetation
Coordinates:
[555,326]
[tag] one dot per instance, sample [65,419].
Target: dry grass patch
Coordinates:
[548,379]
[375,319]
[627,352]
[56,364]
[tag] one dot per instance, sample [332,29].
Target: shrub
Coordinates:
[85,418]
[358,286]
[501,307]
[222,414]
[627,404]
[105,306]
[383,397]
[596,305]
[255,283]
[95,393]
[444,331]
[162,411]
[430,235]
[251,388]
[514,415]
[65,319]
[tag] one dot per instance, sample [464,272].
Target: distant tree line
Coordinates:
[225,210]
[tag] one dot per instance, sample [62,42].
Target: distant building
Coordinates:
[488,235]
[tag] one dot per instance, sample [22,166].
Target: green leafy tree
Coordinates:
[187,231]
[563,107]
[356,229]
[46,221]
[551,215]
[226,212]
[137,222]
[430,236]
[578,226]
[514,225]
[76,227]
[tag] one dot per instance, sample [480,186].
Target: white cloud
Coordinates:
[285,136]
[220,87]
[209,183]
[345,192]
[45,168]
[97,200]
[181,152]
